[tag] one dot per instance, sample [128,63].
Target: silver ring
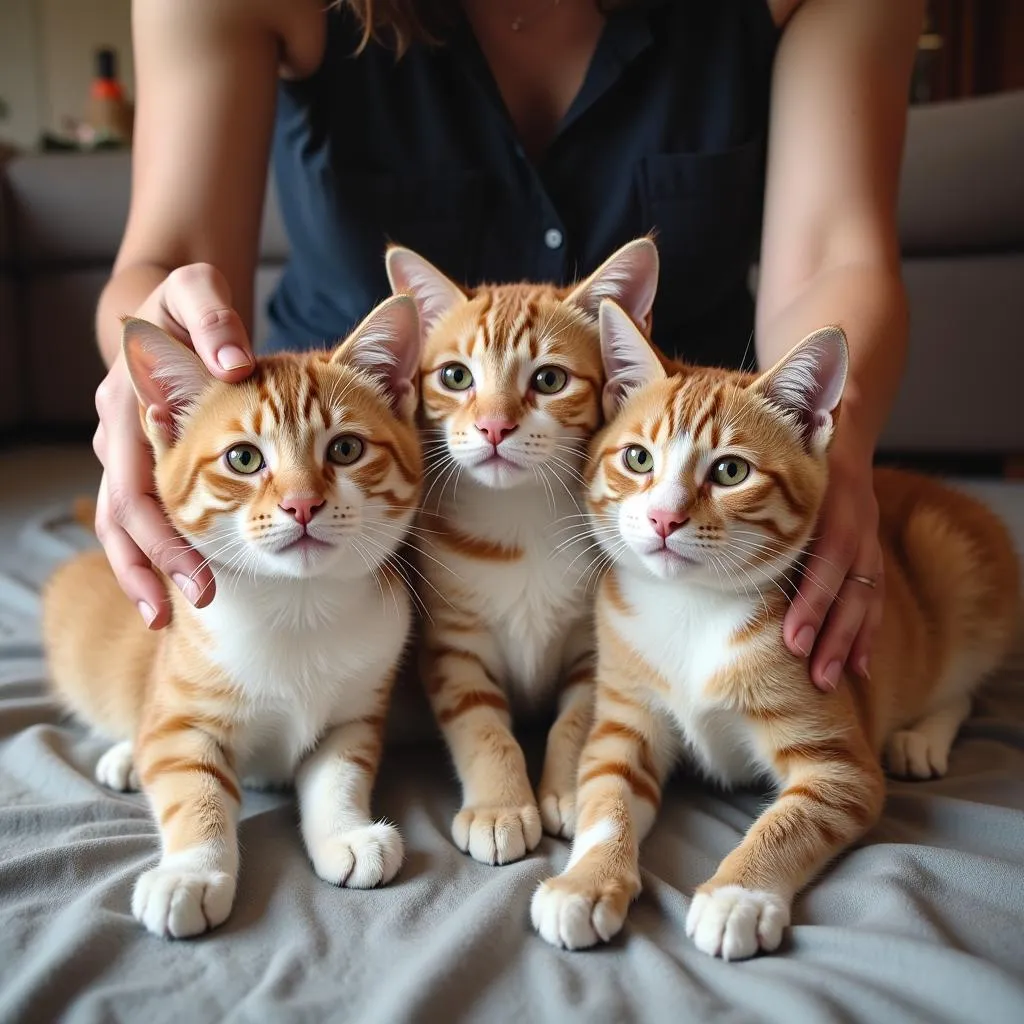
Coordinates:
[866,580]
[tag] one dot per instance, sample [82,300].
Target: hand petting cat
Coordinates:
[838,607]
[194,304]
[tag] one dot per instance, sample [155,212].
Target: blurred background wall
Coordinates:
[48,58]
[48,63]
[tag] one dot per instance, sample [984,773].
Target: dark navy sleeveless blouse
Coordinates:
[668,133]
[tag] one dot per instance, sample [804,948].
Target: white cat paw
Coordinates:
[558,814]
[176,900]
[734,923]
[916,755]
[576,913]
[116,768]
[497,835]
[361,858]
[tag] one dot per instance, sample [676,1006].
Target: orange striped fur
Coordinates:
[691,660]
[512,383]
[286,675]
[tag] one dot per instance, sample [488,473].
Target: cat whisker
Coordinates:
[380,532]
[397,565]
[444,476]
[604,561]
[596,536]
[567,469]
[371,571]
[763,548]
[757,590]
[549,493]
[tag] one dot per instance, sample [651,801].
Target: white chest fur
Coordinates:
[536,606]
[305,655]
[685,632]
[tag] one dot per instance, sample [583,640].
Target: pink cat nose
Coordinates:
[665,523]
[302,508]
[495,430]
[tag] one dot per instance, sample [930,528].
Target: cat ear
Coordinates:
[808,383]
[629,360]
[167,375]
[387,345]
[434,293]
[629,277]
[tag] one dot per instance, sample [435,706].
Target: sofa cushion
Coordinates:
[962,186]
[71,209]
[961,389]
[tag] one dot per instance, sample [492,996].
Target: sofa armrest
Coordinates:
[962,184]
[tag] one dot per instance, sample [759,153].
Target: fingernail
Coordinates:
[804,640]
[147,611]
[862,667]
[831,676]
[231,357]
[187,586]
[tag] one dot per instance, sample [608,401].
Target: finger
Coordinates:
[134,575]
[859,660]
[132,507]
[844,622]
[198,298]
[143,520]
[130,566]
[826,567]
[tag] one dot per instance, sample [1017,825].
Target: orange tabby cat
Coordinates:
[705,487]
[297,485]
[511,381]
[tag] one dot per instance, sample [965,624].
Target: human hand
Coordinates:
[835,614]
[194,304]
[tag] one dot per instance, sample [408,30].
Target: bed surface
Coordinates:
[923,921]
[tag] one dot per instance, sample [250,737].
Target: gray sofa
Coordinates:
[961,226]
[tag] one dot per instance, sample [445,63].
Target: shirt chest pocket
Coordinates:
[705,212]
[438,216]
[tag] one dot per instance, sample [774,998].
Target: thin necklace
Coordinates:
[519,21]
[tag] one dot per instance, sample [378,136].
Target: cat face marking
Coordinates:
[707,474]
[511,374]
[311,466]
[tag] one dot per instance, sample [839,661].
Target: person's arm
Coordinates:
[830,254]
[205,81]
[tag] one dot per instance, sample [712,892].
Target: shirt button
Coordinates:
[553,238]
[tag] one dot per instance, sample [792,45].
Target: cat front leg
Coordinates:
[334,785]
[499,821]
[194,793]
[832,795]
[116,768]
[557,791]
[622,768]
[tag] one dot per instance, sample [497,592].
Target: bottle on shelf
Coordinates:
[109,113]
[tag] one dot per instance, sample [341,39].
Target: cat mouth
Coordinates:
[495,458]
[666,556]
[305,545]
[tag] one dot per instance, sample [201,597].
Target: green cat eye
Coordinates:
[638,459]
[549,380]
[730,471]
[456,377]
[345,450]
[245,459]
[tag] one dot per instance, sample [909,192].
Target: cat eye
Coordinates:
[730,471]
[245,459]
[638,459]
[345,450]
[456,377]
[549,380]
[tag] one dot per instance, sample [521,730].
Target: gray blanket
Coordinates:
[924,921]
